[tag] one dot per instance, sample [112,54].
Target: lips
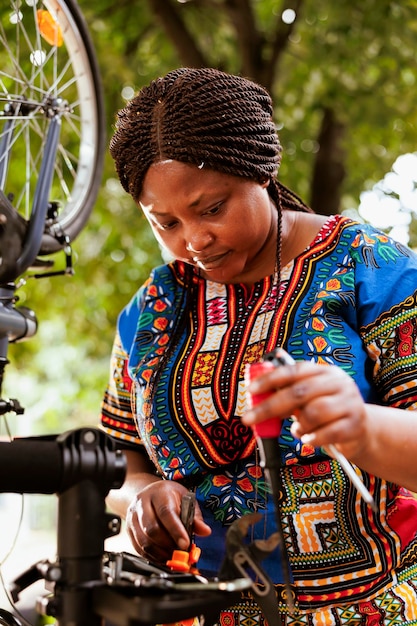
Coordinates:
[211,261]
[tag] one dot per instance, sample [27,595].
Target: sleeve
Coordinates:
[387,305]
[137,325]
[117,418]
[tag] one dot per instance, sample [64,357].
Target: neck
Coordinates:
[299,230]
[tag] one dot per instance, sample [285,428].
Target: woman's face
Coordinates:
[224,225]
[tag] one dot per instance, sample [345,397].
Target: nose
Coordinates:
[198,240]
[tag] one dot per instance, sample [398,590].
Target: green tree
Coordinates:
[342,74]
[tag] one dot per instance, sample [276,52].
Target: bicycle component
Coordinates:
[51,121]
[145,606]
[81,466]
[244,560]
[12,233]
[281,357]
[11,405]
[16,323]
[267,434]
[7,618]
[123,566]
[186,560]
[61,462]
[187,513]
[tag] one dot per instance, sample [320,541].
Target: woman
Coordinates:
[255,268]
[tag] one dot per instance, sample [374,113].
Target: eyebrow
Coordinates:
[192,205]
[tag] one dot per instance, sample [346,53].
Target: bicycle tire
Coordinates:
[48,56]
[8,619]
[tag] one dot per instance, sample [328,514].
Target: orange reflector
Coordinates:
[49,28]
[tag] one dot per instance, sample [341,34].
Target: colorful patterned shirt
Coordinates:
[348,300]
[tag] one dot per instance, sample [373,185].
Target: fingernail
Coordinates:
[248,418]
[308,438]
[254,386]
[183,544]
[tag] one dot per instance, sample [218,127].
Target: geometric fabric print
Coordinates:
[214,337]
[216,312]
[391,342]
[391,607]
[241,402]
[352,617]
[263,321]
[395,607]
[203,403]
[331,560]
[330,538]
[321,488]
[215,291]
[310,526]
[249,621]
[202,375]
[314,529]
[208,396]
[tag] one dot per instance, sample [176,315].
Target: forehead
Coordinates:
[172,180]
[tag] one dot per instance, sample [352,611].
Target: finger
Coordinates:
[147,536]
[147,550]
[327,382]
[337,431]
[143,546]
[168,515]
[323,409]
[326,421]
[282,376]
[284,391]
[200,527]
[309,383]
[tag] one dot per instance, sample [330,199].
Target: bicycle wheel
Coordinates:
[48,68]
[7,619]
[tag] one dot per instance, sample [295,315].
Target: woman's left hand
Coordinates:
[325,402]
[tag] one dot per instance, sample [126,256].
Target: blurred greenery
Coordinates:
[353,58]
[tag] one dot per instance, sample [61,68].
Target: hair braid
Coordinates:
[197,116]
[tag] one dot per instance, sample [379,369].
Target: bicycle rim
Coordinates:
[47,61]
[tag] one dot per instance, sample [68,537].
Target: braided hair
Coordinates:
[203,117]
[208,118]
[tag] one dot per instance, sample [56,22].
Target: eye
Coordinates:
[167,225]
[215,210]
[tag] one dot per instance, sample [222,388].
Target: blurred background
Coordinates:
[343,76]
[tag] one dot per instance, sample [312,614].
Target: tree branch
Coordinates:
[280,43]
[329,169]
[250,40]
[168,14]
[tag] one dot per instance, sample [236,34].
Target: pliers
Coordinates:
[242,558]
[186,560]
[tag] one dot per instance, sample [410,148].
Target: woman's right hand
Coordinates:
[153,521]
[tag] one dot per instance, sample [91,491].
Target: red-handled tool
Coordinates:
[267,433]
[281,357]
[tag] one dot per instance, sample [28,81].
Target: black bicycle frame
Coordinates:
[81,466]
